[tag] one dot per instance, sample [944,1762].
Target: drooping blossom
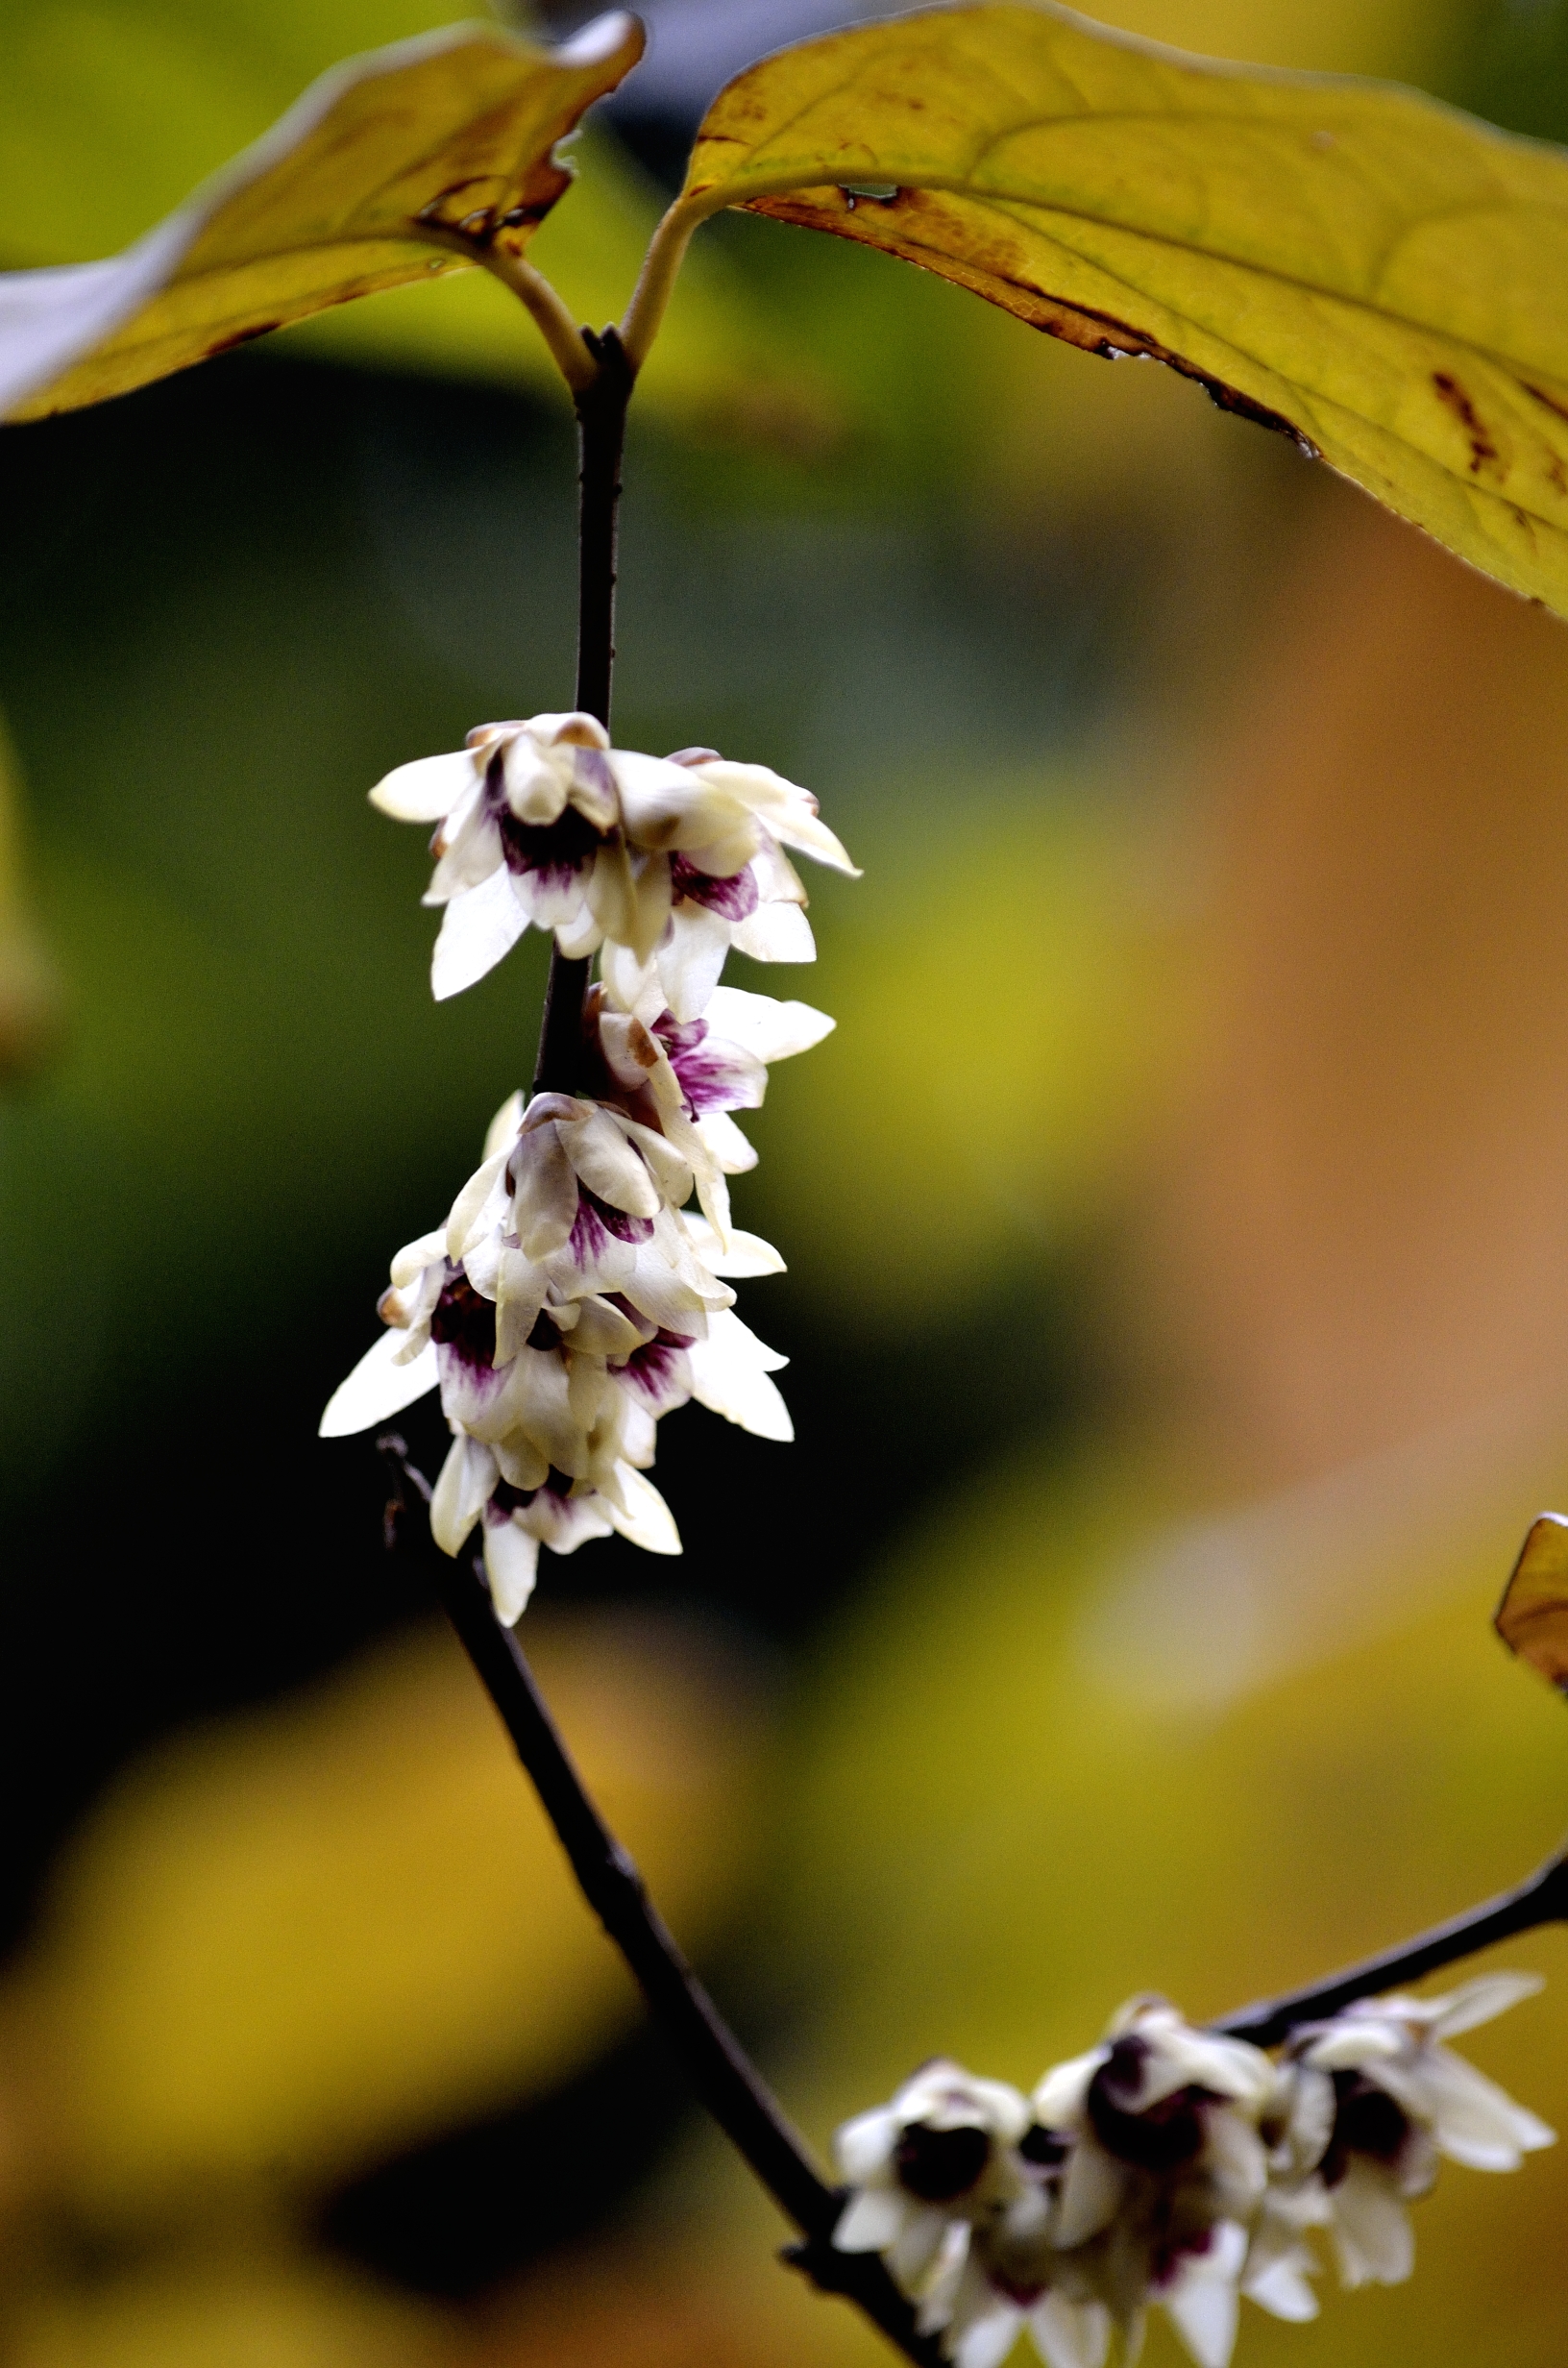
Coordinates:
[565,1305]
[663,862]
[1376,2100]
[931,2162]
[686,1078]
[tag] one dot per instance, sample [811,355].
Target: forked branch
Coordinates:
[721,2072]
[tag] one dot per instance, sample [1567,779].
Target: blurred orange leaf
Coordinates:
[1533,1616]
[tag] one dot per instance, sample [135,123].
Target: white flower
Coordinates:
[563,1307]
[937,2157]
[1375,2100]
[685,1078]
[666,862]
[1151,2166]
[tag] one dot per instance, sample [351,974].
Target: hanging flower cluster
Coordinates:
[573,1295]
[1175,2167]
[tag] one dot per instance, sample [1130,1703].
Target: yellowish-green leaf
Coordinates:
[1374,272]
[417,159]
[1533,1616]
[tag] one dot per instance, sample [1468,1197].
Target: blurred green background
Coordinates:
[1175,1224]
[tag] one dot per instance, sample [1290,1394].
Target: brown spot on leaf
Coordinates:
[918,225]
[1482,450]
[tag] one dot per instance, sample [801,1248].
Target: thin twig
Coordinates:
[602,433]
[722,2072]
[1541,1900]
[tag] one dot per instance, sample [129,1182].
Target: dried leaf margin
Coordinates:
[1533,1616]
[427,156]
[1378,275]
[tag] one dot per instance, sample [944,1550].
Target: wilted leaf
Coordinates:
[1533,1616]
[380,175]
[1371,271]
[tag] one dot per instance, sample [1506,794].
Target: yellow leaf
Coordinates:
[1533,1616]
[1375,274]
[415,159]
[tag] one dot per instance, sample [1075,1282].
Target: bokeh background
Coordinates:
[1177,1295]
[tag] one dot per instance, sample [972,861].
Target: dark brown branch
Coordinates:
[722,2072]
[601,433]
[1542,1900]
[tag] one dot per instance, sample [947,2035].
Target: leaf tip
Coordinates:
[1532,1618]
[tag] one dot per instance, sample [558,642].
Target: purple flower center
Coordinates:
[705,1080]
[1043,2148]
[557,849]
[464,1322]
[1366,2121]
[939,2164]
[732,899]
[595,1222]
[651,1368]
[1162,2136]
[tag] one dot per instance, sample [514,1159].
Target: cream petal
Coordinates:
[521,1285]
[462,1490]
[775,933]
[1204,2312]
[768,1029]
[545,1195]
[568,726]
[730,1378]
[480,1198]
[1479,2001]
[379,1387]
[789,811]
[1282,2289]
[1059,2096]
[577,939]
[1476,2122]
[428,789]
[665,805]
[725,1144]
[502,1133]
[692,957]
[410,1263]
[1371,2230]
[646,1519]
[631,980]
[511,1565]
[602,1331]
[863,2147]
[467,849]
[873,2220]
[537,789]
[477,930]
[607,1164]
[612,893]
[1071,2334]
[1092,2186]
[986,2340]
[672,1173]
[918,2245]
[521,1461]
[747,1256]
